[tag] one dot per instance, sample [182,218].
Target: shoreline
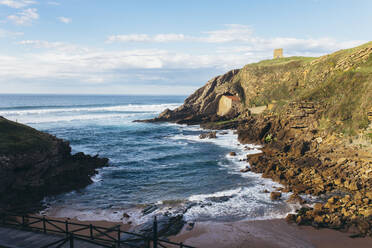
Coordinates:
[275,233]
[272,233]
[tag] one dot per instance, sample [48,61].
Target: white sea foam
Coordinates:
[247,202]
[126,108]
[84,113]
[244,202]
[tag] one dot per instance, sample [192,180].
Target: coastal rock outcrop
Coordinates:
[201,106]
[315,126]
[35,164]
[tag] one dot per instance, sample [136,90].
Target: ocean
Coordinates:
[156,167]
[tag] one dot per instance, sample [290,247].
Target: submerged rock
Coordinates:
[275,195]
[217,199]
[149,209]
[246,169]
[295,198]
[166,225]
[210,135]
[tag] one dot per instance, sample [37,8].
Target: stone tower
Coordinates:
[278,53]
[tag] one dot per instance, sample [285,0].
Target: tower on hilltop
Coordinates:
[278,53]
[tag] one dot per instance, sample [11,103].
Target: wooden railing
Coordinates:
[98,235]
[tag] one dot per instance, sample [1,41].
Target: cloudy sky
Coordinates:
[161,47]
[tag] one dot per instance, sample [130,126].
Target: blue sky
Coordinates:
[161,47]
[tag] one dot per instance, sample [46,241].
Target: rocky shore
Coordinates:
[315,129]
[35,164]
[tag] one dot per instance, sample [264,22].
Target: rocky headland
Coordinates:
[35,164]
[313,116]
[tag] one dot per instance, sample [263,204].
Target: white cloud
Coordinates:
[241,38]
[25,17]
[232,33]
[42,60]
[55,46]
[146,38]
[17,3]
[5,33]
[64,19]
[58,60]
[53,3]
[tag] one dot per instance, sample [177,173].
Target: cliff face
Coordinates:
[340,82]
[34,164]
[316,129]
[202,105]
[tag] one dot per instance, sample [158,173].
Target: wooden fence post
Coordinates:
[155,229]
[72,240]
[91,231]
[44,224]
[66,225]
[118,236]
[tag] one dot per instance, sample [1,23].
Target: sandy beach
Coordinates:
[266,233]
[276,233]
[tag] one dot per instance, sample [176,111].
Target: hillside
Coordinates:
[339,82]
[315,125]
[35,164]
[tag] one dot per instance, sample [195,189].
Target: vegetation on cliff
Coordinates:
[316,129]
[17,138]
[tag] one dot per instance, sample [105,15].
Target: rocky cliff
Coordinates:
[316,129]
[340,82]
[34,164]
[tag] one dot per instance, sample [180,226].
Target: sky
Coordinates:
[167,47]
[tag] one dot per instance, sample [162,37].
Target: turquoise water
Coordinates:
[162,164]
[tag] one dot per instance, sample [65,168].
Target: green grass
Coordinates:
[15,138]
[369,136]
[344,96]
[285,60]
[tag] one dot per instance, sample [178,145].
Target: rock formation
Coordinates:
[315,112]
[34,164]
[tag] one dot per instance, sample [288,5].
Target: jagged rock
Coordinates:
[190,226]
[302,150]
[232,153]
[149,209]
[210,135]
[35,164]
[295,198]
[219,199]
[275,196]
[290,218]
[246,169]
[166,225]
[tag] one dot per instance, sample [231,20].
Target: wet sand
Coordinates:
[268,234]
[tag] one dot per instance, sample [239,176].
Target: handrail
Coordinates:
[102,236]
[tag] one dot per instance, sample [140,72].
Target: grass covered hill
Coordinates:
[339,83]
[16,138]
[315,123]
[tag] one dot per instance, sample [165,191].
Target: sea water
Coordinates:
[162,165]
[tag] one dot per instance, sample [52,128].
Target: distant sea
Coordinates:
[163,165]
